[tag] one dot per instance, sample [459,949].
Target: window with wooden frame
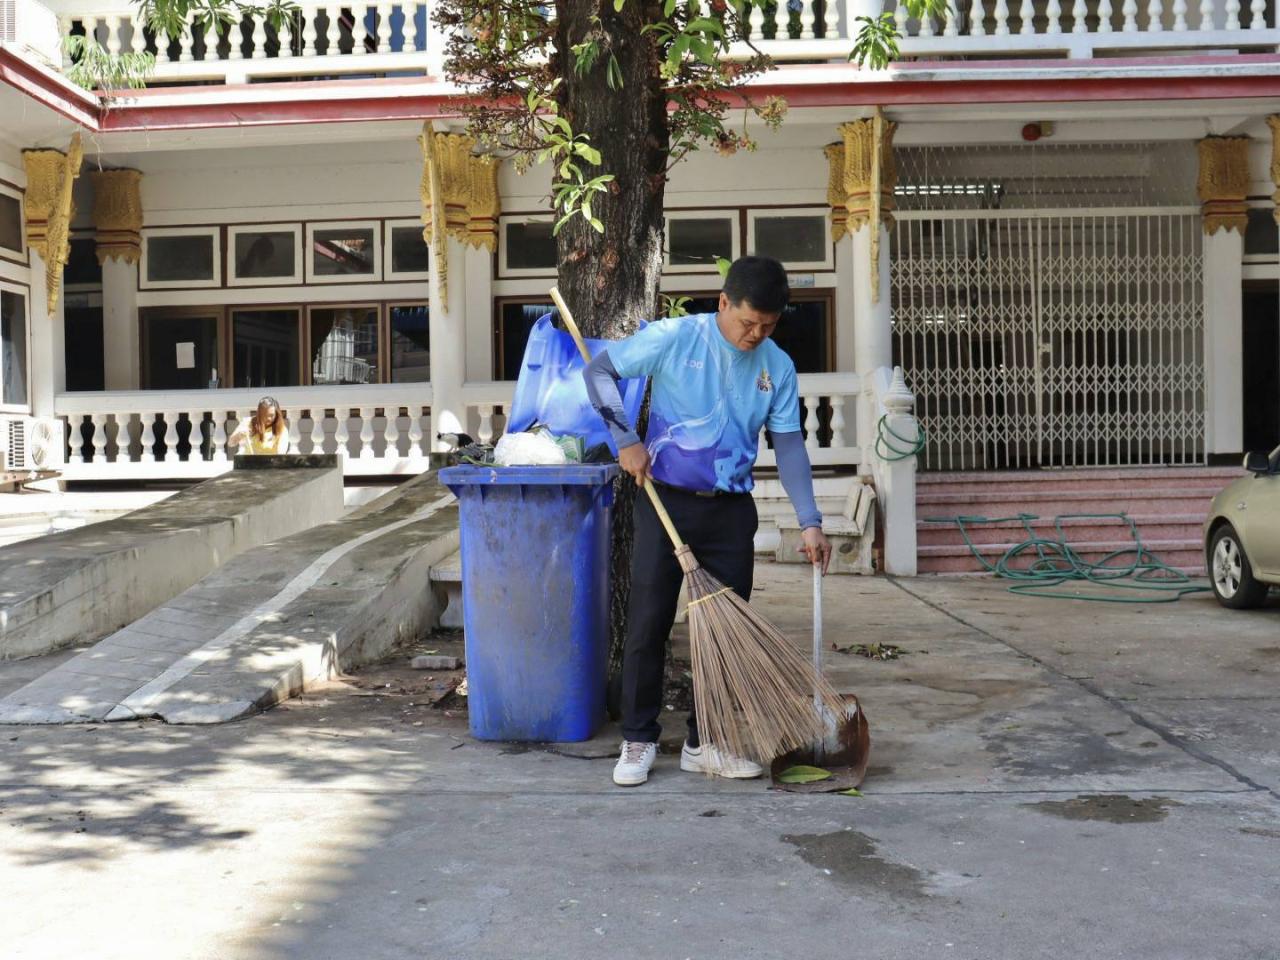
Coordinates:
[14,349]
[696,239]
[266,346]
[344,252]
[409,341]
[405,252]
[343,344]
[806,331]
[799,237]
[264,254]
[182,348]
[180,257]
[12,236]
[514,318]
[526,247]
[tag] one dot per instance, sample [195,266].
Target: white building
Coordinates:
[1077,265]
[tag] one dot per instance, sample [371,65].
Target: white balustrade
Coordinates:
[1155,16]
[1180,16]
[366,433]
[389,36]
[1053,14]
[185,434]
[1026,16]
[1002,18]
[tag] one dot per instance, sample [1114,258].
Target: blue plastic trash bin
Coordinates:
[535,593]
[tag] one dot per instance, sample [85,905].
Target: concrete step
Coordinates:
[1150,527]
[266,625]
[1185,554]
[79,585]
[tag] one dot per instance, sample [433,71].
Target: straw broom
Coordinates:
[754,693]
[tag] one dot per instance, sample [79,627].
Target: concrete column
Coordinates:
[1223,187]
[1223,344]
[447,327]
[120,325]
[872,331]
[48,371]
[478,319]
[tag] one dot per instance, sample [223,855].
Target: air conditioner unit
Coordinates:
[33,27]
[31,443]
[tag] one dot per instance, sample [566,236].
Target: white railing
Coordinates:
[893,432]
[319,39]
[381,429]
[370,38]
[826,412]
[142,434]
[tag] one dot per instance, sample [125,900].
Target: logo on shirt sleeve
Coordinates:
[764,383]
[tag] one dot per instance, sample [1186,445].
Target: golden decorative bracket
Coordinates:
[51,175]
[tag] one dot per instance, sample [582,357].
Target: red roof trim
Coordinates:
[905,84]
[43,87]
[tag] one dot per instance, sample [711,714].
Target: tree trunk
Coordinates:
[610,280]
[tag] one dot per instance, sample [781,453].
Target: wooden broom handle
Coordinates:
[567,318]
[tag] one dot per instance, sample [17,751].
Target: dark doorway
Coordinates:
[1261,373]
[180,353]
[83,347]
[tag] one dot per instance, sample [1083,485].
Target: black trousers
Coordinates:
[721,531]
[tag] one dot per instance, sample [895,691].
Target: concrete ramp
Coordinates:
[265,624]
[76,586]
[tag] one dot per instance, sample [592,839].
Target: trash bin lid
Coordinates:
[575,474]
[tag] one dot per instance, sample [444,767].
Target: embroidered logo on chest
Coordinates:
[764,383]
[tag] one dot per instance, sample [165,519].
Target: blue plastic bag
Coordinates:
[550,389]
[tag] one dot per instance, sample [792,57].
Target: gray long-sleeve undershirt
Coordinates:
[793,459]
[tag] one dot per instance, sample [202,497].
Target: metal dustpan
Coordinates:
[845,748]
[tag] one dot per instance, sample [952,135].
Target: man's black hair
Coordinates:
[760,281]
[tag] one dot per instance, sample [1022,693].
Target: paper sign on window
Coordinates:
[186,359]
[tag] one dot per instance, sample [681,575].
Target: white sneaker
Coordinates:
[707,759]
[632,768]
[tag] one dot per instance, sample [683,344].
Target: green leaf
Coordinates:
[618,5]
[723,266]
[851,792]
[706,25]
[599,227]
[803,774]
[669,9]
[587,153]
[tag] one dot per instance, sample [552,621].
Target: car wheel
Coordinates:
[1231,574]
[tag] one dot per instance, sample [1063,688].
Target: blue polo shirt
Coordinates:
[710,400]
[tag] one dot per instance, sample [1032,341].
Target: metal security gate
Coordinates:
[1058,338]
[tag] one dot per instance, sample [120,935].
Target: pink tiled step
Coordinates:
[1150,528]
[1211,479]
[996,502]
[1183,554]
[1168,504]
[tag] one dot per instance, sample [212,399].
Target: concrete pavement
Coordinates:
[1049,780]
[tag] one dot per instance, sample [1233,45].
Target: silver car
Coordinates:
[1242,535]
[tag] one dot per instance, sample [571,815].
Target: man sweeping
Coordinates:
[717,380]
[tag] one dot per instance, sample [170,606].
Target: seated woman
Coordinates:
[264,432]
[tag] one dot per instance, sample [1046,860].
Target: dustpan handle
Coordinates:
[566,317]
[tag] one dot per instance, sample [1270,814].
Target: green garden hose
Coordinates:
[1056,563]
[892,446]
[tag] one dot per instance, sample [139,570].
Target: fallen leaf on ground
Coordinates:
[803,774]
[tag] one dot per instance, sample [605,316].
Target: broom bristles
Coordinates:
[752,688]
